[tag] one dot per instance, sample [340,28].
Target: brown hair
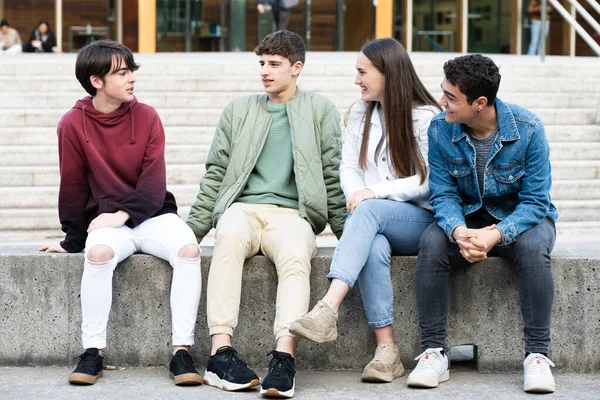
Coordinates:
[96,59]
[283,43]
[403,90]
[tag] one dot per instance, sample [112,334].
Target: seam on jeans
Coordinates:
[381,324]
[333,275]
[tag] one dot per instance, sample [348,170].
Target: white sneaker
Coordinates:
[538,377]
[431,370]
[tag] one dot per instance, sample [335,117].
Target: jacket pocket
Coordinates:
[461,170]
[507,177]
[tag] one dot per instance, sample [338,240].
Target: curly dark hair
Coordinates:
[475,75]
[283,43]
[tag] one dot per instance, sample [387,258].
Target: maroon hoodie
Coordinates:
[110,162]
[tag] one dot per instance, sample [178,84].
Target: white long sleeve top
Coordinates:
[380,177]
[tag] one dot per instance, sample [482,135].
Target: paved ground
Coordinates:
[153,383]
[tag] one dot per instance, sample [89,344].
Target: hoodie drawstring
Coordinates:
[87,139]
[132,126]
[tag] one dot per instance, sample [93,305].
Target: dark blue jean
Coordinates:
[531,253]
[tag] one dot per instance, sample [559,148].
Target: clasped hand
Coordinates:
[474,244]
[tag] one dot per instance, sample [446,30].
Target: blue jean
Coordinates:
[534,43]
[377,229]
[531,252]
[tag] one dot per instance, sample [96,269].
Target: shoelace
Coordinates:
[185,359]
[379,353]
[316,311]
[281,364]
[426,362]
[534,366]
[233,361]
[87,360]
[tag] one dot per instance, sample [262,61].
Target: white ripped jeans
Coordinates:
[163,236]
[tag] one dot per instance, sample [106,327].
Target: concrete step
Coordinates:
[576,189]
[578,210]
[48,155]
[11,136]
[28,136]
[584,191]
[27,197]
[574,151]
[191,174]
[345,96]
[331,79]
[209,117]
[234,64]
[31,175]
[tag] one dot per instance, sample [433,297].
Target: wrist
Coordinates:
[123,215]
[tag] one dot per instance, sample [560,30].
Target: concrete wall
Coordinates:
[40,313]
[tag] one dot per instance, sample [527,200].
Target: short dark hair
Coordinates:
[96,59]
[283,43]
[4,23]
[475,75]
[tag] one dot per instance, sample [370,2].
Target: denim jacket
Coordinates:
[517,175]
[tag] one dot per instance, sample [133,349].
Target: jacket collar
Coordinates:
[507,126]
[264,98]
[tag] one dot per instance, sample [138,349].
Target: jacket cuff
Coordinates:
[381,190]
[451,225]
[509,232]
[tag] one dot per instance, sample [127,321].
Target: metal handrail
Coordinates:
[594,5]
[572,21]
[586,15]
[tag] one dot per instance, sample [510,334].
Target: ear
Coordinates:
[481,102]
[297,68]
[96,82]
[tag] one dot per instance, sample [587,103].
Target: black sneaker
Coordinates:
[89,368]
[226,371]
[280,381]
[182,370]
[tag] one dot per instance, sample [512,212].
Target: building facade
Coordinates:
[487,26]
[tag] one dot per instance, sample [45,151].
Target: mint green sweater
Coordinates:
[272,181]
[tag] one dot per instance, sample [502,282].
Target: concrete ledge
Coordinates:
[40,312]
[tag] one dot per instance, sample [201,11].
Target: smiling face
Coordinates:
[117,86]
[279,75]
[458,109]
[369,79]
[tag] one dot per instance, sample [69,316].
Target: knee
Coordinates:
[365,209]
[433,239]
[528,248]
[100,254]
[189,252]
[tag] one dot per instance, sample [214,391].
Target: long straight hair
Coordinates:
[402,91]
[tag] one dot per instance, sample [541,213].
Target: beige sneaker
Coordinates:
[385,366]
[318,325]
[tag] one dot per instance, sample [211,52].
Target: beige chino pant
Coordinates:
[281,235]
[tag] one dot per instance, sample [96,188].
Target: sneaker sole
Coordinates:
[190,379]
[428,383]
[84,379]
[272,392]
[298,330]
[539,387]
[372,375]
[212,379]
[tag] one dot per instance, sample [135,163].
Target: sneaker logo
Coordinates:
[427,357]
[538,362]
